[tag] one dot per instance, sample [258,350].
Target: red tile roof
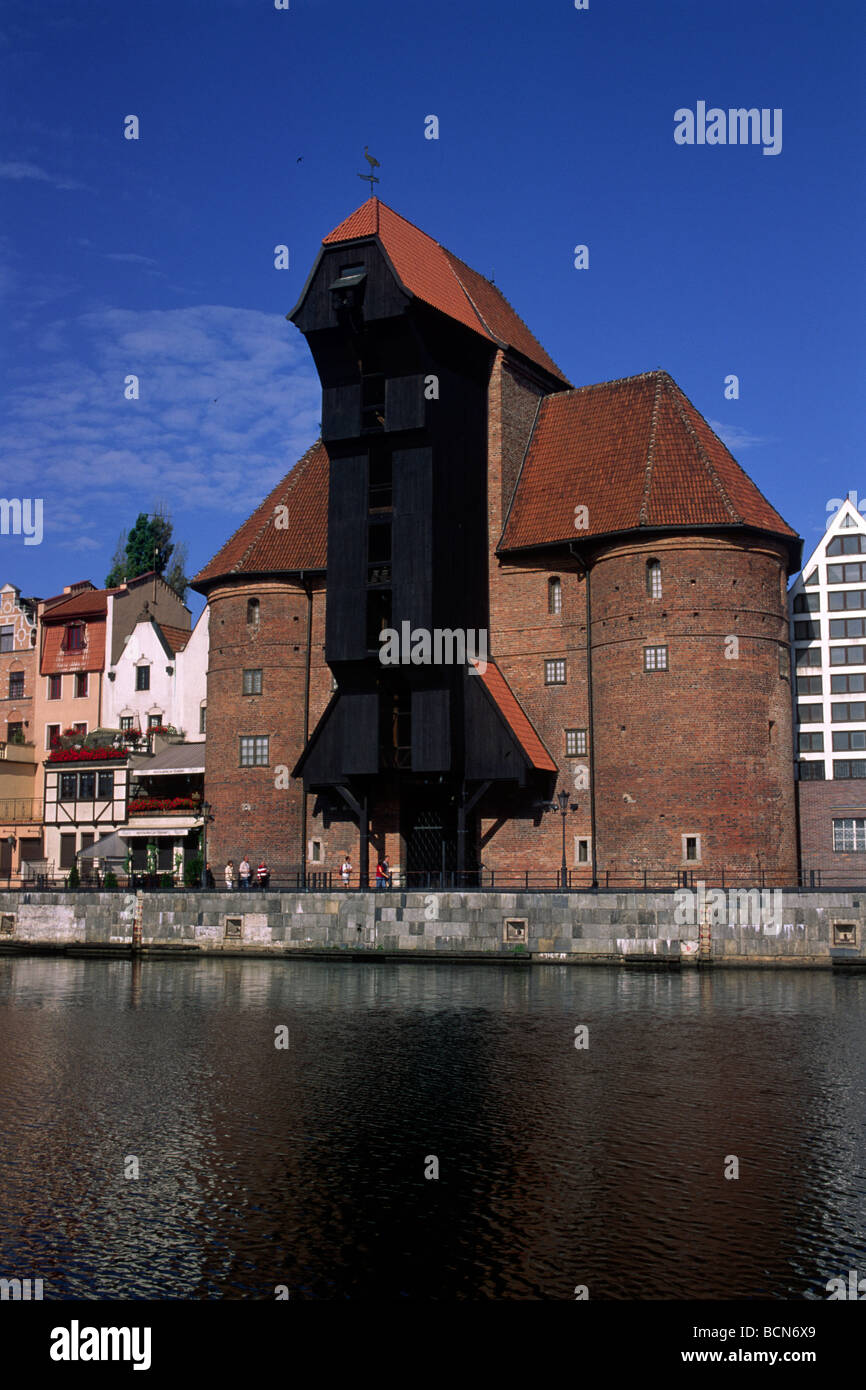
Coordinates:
[512,712]
[635,453]
[260,547]
[442,280]
[86,603]
[176,637]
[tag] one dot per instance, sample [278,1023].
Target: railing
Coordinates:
[14,810]
[471,881]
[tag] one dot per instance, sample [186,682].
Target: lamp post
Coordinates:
[205,817]
[562,798]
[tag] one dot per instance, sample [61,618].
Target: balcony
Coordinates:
[20,810]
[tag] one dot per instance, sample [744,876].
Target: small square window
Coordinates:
[575,743]
[315,852]
[655,658]
[581,849]
[692,849]
[254,750]
[849,835]
[554,672]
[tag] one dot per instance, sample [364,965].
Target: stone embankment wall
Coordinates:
[578,928]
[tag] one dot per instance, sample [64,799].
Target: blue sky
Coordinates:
[155,257]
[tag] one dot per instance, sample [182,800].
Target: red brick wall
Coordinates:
[819,803]
[705,747]
[271,827]
[702,749]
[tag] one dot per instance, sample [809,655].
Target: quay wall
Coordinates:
[781,928]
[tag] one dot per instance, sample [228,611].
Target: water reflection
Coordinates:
[305,1166]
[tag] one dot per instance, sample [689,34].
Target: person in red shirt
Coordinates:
[263,873]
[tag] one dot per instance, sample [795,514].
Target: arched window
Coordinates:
[654,578]
[554,595]
[253,612]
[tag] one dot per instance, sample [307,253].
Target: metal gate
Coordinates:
[431,845]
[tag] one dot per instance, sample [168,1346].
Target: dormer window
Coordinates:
[73,638]
[347,291]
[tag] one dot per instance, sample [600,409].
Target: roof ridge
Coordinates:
[643,514]
[285,479]
[674,391]
[506,301]
[488,330]
[616,381]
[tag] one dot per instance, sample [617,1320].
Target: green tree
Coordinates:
[150,546]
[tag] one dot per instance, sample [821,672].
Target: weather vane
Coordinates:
[374,164]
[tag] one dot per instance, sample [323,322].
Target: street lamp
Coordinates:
[562,798]
[205,817]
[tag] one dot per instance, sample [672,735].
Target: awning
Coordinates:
[178,826]
[109,847]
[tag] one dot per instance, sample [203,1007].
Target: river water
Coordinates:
[304,1166]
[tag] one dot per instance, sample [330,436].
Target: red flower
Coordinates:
[84,755]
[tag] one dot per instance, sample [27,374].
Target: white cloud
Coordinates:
[736,436]
[229,400]
[19,169]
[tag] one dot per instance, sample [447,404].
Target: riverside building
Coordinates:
[630,578]
[828,633]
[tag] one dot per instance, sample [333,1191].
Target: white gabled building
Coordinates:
[828,639]
[160,678]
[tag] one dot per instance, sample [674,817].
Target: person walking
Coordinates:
[263,873]
[383,873]
[245,870]
[230,875]
[346,870]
